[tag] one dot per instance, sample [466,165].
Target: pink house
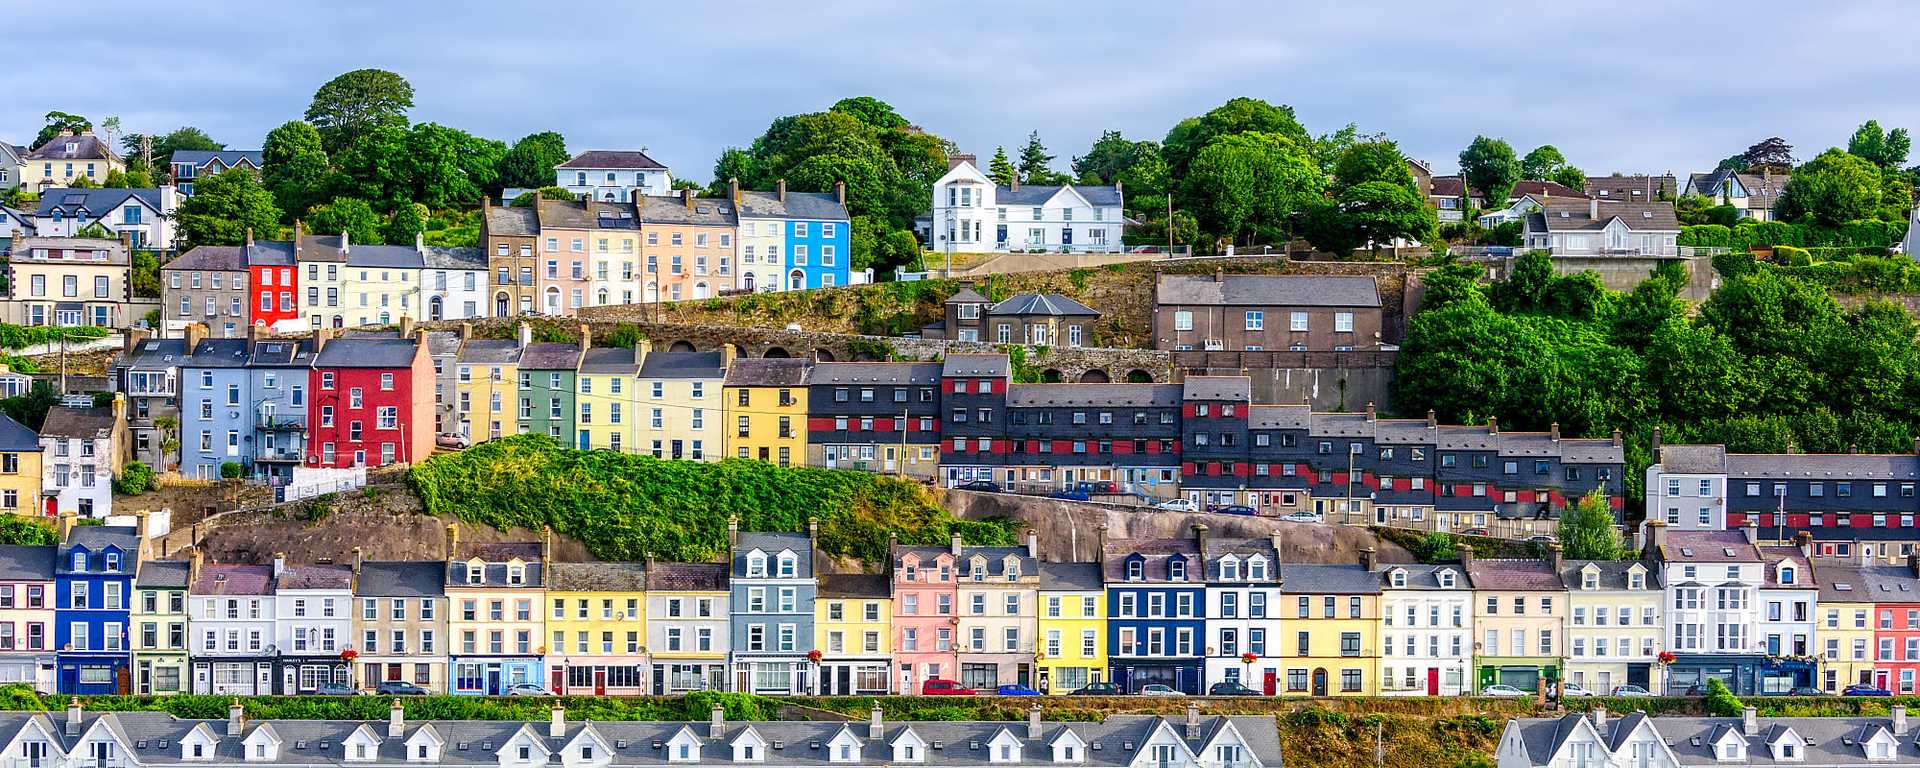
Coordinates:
[924,618]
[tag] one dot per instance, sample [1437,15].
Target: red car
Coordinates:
[938,687]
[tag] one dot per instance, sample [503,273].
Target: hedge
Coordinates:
[1747,235]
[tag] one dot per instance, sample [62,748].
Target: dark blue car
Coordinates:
[1858,689]
[1016,690]
[1072,494]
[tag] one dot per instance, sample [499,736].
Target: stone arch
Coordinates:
[823,355]
[1094,376]
[1137,376]
[682,346]
[1052,376]
[776,353]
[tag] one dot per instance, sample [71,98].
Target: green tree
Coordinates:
[406,222]
[376,169]
[1721,702]
[294,167]
[1001,169]
[1587,531]
[354,104]
[1110,156]
[1831,190]
[350,215]
[1773,152]
[1252,184]
[1379,212]
[871,111]
[31,408]
[58,121]
[447,167]
[223,208]
[133,146]
[1886,149]
[134,179]
[529,164]
[144,277]
[232,470]
[1371,161]
[525,200]
[1542,163]
[1570,177]
[1488,167]
[1239,115]
[1436,547]
[1035,163]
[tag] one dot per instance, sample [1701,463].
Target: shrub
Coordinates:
[135,478]
[1721,702]
[232,470]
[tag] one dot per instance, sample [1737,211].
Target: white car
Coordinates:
[1301,517]
[1178,505]
[1634,691]
[1157,689]
[1574,691]
[1502,691]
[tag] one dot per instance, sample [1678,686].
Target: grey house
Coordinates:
[1298,313]
[1038,319]
[207,285]
[277,406]
[215,418]
[771,595]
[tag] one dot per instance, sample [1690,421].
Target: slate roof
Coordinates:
[614,360]
[522,222]
[1042,304]
[975,365]
[1071,577]
[1694,459]
[550,356]
[612,158]
[996,559]
[156,353]
[96,201]
[88,147]
[1514,575]
[874,373]
[1762,190]
[1826,741]
[16,437]
[1823,466]
[211,258]
[1426,577]
[1709,547]
[1577,216]
[401,578]
[1304,579]
[1241,548]
[1885,583]
[1613,574]
[863,585]
[1618,187]
[768,372]
[97,538]
[772,543]
[288,353]
[233,580]
[495,573]
[316,577]
[366,353]
[966,295]
[1159,553]
[162,574]
[683,365]
[217,353]
[1136,395]
[25,563]
[228,157]
[1268,290]
[597,577]
[586,214]
[1098,195]
[687,577]
[1843,583]
[81,423]
[1278,416]
[799,205]
[490,352]
[1777,554]
[440,257]
[1234,388]
[706,212]
[385,256]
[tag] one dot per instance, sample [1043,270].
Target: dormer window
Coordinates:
[1257,569]
[1398,579]
[683,753]
[113,562]
[420,752]
[526,753]
[789,565]
[756,565]
[1589,580]
[1177,569]
[1229,569]
[516,574]
[1069,754]
[1636,580]
[978,570]
[360,751]
[586,753]
[1012,568]
[1786,574]
[1446,579]
[1730,750]
[476,573]
[80,561]
[1134,567]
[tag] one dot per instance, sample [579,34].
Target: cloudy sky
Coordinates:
[1639,86]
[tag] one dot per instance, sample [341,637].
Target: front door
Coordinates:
[1433,681]
[560,680]
[1380,515]
[493,681]
[599,682]
[1270,682]
[1320,681]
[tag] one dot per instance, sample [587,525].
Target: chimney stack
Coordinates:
[1433,419]
[1750,721]
[1593,208]
[406,326]
[733,530]
[780,189]
[236,716]
[396,717]
[586,337]
[73,717]
[1600,720]
[346,243]
[1193,721]
[453,541]
[876,729]
[279,564]
[526,334]
[359,560]
[1803,541]
[1368,558]
[1553,556]
[557,721]
[717,723]
[1370,412]
[954,543]
[1200,539]
[1013,184]
[466,332]
[1554,431]
[1752,530]
[1493,425]
[1219,274]
[840,192]
[1656,535]
[1033,543]
[1899,713]
[1033,723]
[686,198]
[1466,554]
[249,237]
[196,333]
[1101,553]
[733,193]
[320,338]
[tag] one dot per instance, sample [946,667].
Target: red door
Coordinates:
[53,506]
[599,682]
[1270,682]
[560,681]
[1433,681]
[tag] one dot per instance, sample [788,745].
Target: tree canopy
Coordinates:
[224,207]
[354,104]
[1832,189]
[529,164]
[58,121]
[1252,184]
[1488,166]
[1886,149]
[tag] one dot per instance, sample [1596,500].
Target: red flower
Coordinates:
[1248,658]
[814,655]
[1667,657]
[349,654]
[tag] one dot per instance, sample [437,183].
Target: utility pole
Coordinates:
[900,469]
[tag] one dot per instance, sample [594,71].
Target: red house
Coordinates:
[273,290]
[372,402]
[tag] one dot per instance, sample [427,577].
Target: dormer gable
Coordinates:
[524,747]
[1067,746]
[262,745]
[786,564]
[908,747]
[1583,740]
[1787,573]
[1010,565]
[476,571]
[1397,578]
[1229,568]
[40,730]
[1177,568]
[104,743]
[1447,578]
[1877,743]
[748,746]
[845,746]
[1257,568]
[1134,565]
[1068,197]
[516,571]
[425,744]
[1636,576]
[1005,747]
[587,748]
[1228,747]
[910,566]
[977,567]
[756,564]
[1731,746]
[1164,738]
[684,747]
[197,744]
[361,746]
[1785,745]
[1590,576]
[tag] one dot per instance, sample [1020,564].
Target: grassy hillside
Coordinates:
[625,507]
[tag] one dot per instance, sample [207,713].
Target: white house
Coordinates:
[1753,194]
[231,642]
[1243,610]
[14,224]
[13,165]
[972,213]
[313,620]
[1597,227]
[79,457]
[144,215]
[1712,581]
[613,175]
[1599,740]
[455,283]
[1687,487]
[1426,644]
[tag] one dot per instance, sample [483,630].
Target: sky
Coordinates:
[1657,86]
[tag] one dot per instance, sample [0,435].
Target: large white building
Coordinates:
[612,176]
[1243,603]
[143,217]
[313,611]
[1426,642]
[972,213]
[1614,634]
[1597,227]
[1712,581]
[231,611]
[1687,487]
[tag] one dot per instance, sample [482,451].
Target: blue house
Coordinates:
[1156,612]
[93,584]
[277,405]
[772,594]
[216,415]
[811,235]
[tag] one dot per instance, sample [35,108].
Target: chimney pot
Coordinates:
[1750,721]
[780,189]
[396,718]
[557,724]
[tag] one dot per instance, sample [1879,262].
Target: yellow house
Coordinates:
[1072,651]
[1615,629]
[68,281]
[70,156]
[497,593]
[1519,608]
[603,398]
[596,624]
[1330,622]
[687,626]
[486,386]
[19,468]
[853,631]
[766,410]
[1846,627]
[678,405]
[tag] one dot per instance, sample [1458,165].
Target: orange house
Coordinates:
[687,246]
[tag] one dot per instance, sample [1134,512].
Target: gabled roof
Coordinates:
[95,201]
[597,577]
[1070,577]
[1028,194]
[1514,575]
[550,356]
[27,563]
[1709,547]
[874,373]
[1233,388]
[687,577]
[227,157]
[490,352]
[1426,577]
[401,578]
[16,437]
[1579,216]
[234,580]
[1268,290]
[704,212]
[163,574]
[355,352]
[768,372]
[316,577]
[1094,395]
[799,205]
[628,159]
[966,295]
[87,146]
[1613,574]
[1042,304]
[683,365]
[76,423]
[1307,578]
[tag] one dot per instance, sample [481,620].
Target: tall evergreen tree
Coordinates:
[1000,169]
[1034,162]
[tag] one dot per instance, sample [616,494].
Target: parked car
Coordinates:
[1178,505]
[1475,532]
[1574,691]
[1301,517]
[1502,691]
[1097,487]
[1230,688]
[1861,689]
[1016,689]
[1233,509]
[399,688]
[1542,538]
[1071,494]
[1098,689]
[453,440]
[981,486]
[527,689]
[939,687]
[335,690]
[1806,690]
[1632,691]
[1156,689]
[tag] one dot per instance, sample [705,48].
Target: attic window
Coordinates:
[1646,214]
[1566,214]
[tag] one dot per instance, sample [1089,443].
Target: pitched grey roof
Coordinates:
[1099,195]
[1158,553]
[1042,304]
[214,258]
[1278,416]
[1837,466]
[1426,577]
[88,147]
[705,212]
[157,353]
[440,257]
[1137,395]
[162,574]
[1241,548]
[234,580]
[1843,583]
[687,577]
[218,353]
[550,356]
[1763,190]
[401,578]
[495,573]
[867,585]
[597,577]
[81,423]
[228,157]
[98,538]
[772,542]
[1514,575]
[1639,187]
[1578,216]
[874,373]
[366,353]
[490,352]
[683,365]
[1613,573]
[503,220]
[1071,577]
[316,576]
[768,372]
[96,201]
[586,214]
[965,295]
[612,158]
[16,437]
[615,360]
[1234,388]
[387,256]
[289,353]
[24,563]
[799,205]
[1268,290]
[1591,451]
[1303,579]
[975,365]
[1709,547]
[1825,741]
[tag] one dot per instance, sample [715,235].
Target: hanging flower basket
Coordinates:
[349,654]
[1667,658]
[814,655]
[1248,658]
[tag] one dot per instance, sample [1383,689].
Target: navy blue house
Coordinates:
[93,584]
[1156,612]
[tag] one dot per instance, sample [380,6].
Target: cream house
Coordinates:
[1614,624]
[69,281]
